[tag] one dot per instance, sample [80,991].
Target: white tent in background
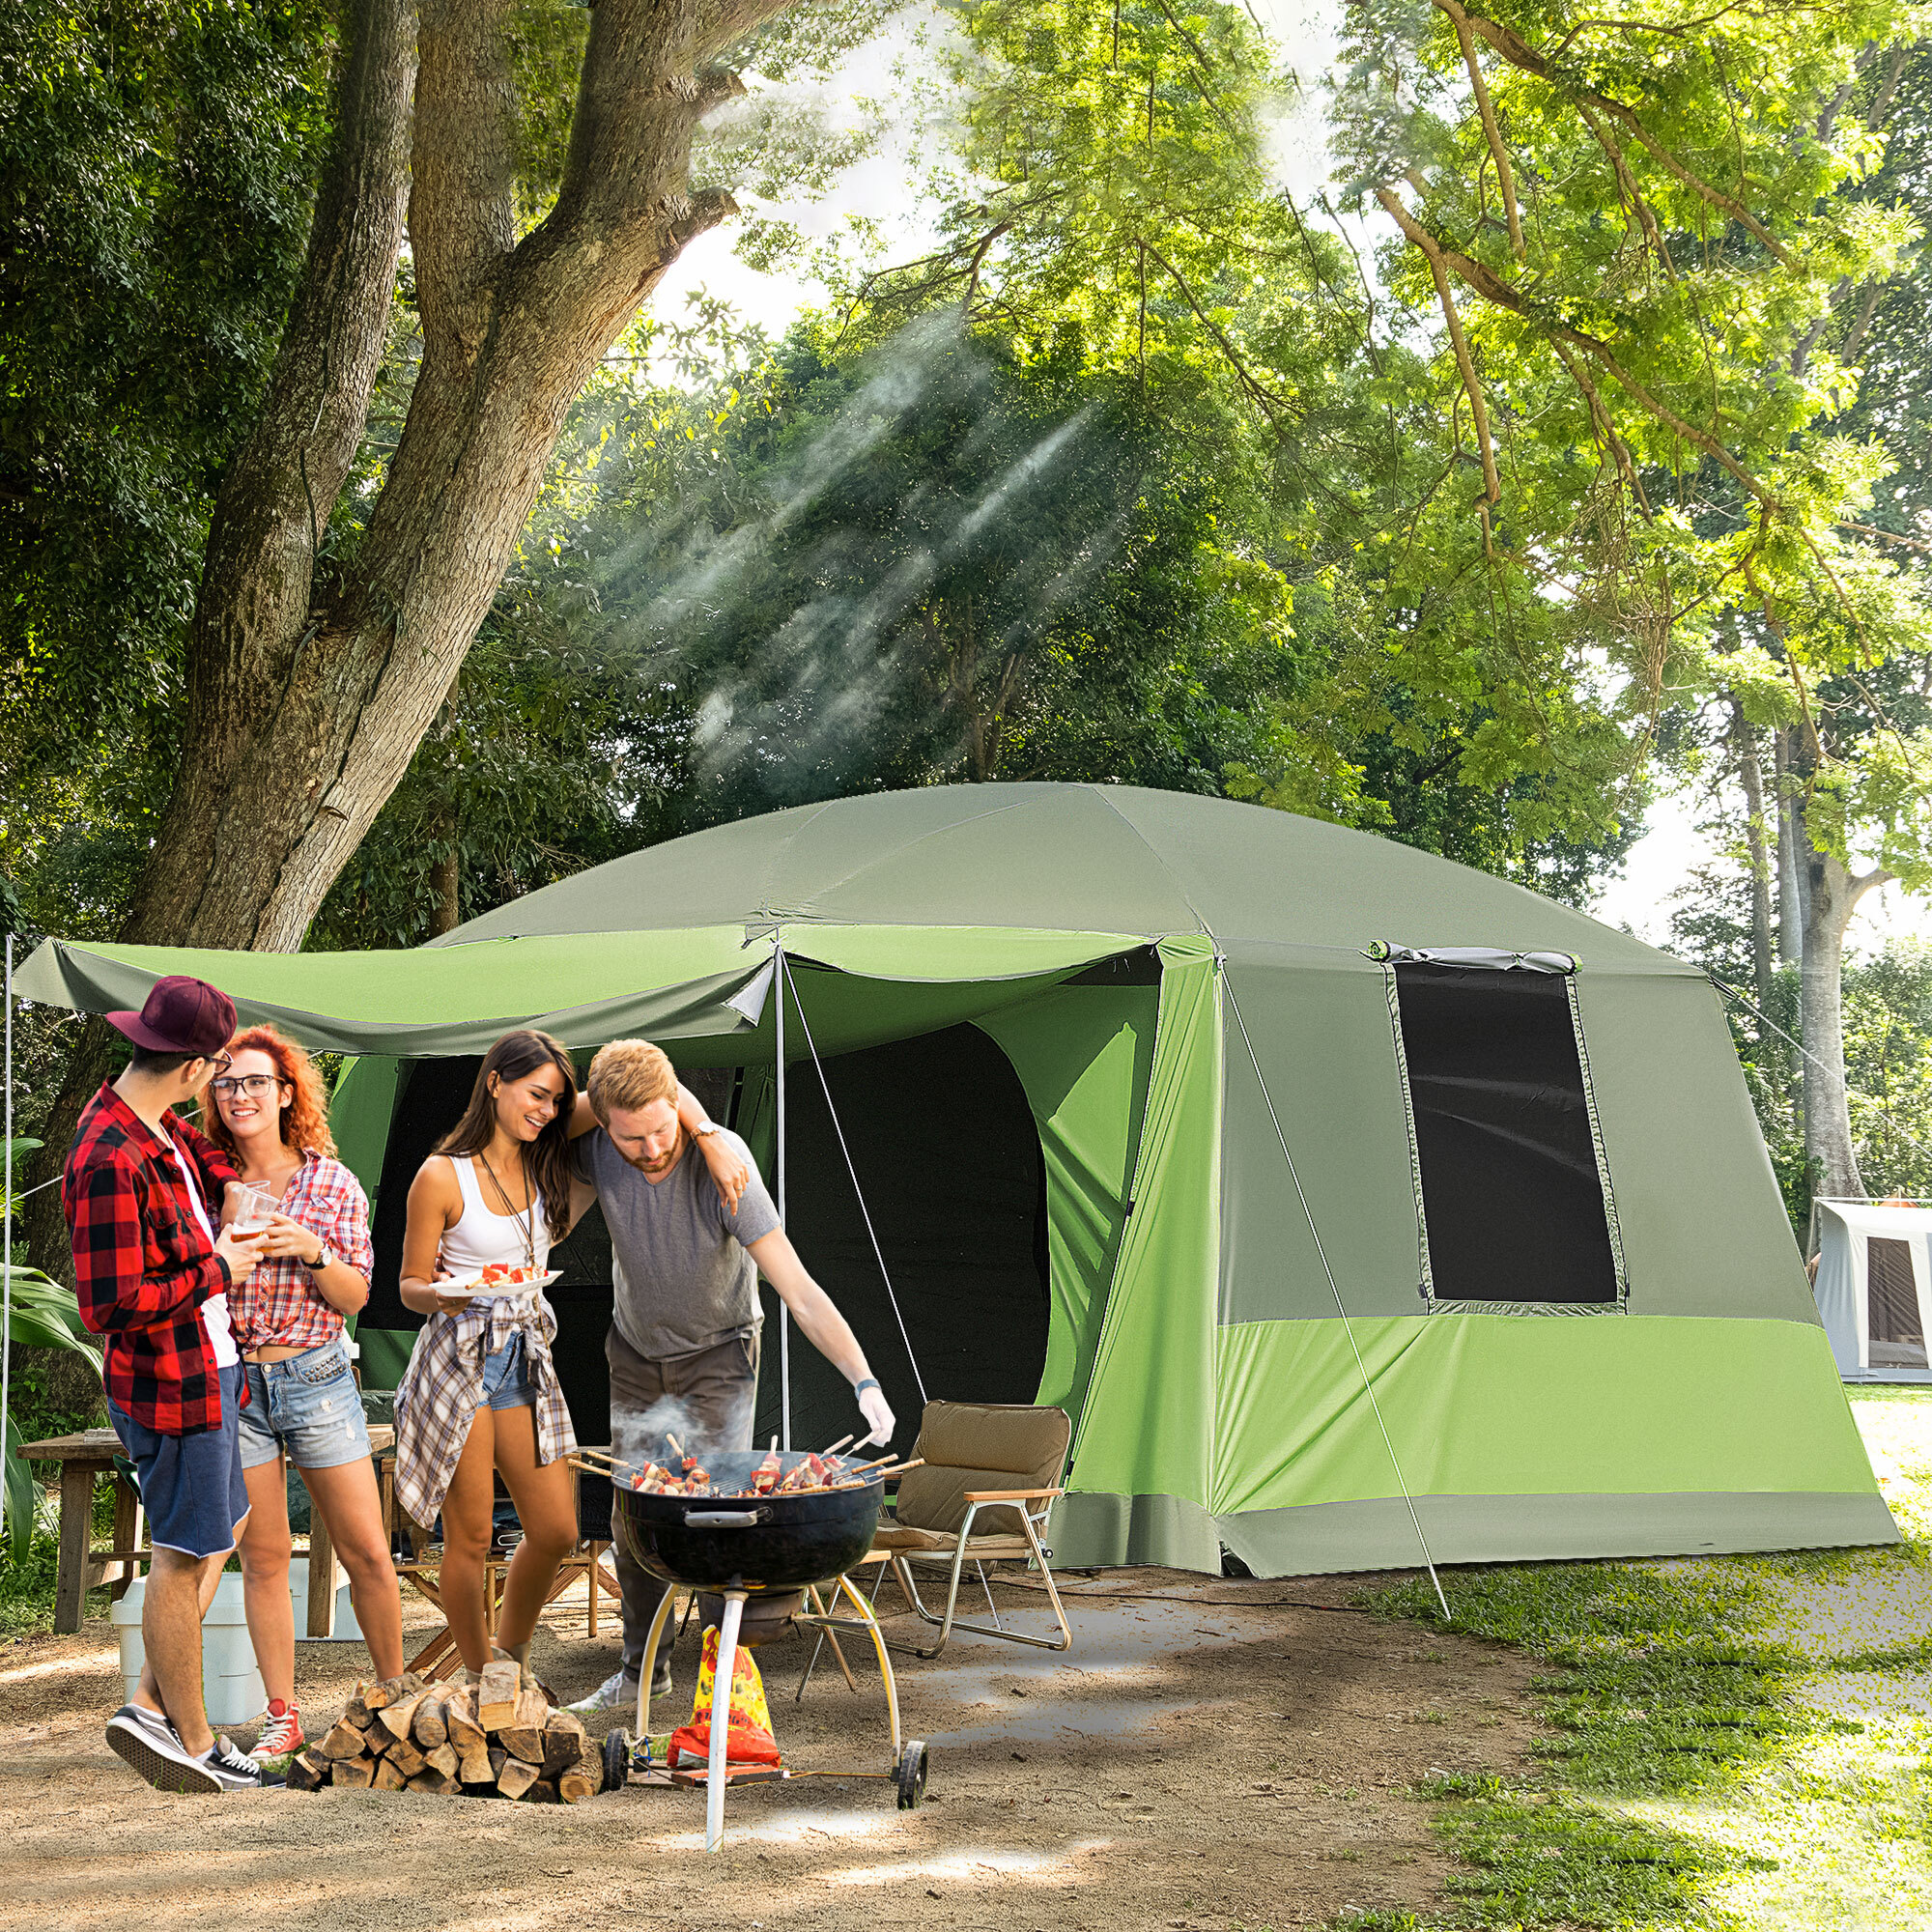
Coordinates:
[1874,1288]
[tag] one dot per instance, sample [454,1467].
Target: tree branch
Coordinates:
[1479,416]
[1265,397]
[1494,134]
[1517,51]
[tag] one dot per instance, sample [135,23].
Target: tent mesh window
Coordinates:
[1511,1189]
[1897,1335]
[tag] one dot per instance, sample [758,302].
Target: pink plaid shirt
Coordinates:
[280,1305]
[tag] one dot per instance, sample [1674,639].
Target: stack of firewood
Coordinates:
[487,1739]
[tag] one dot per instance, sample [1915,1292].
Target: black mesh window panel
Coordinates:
[1511,1193]
[1897,1335]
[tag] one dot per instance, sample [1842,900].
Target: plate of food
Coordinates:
[500,1279]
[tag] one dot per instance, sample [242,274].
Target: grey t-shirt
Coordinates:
[678,1264]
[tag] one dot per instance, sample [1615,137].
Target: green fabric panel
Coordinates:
[359,1112]
[586,989]
[386,1354]
[900,952]
[1323,1035]
[1331,1538]
[1171,1531]
[1703,1224]
[1084,1055]
[1147,1424]
[1500,1405]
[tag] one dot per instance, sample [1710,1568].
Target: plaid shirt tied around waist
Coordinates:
[437,1396]
[279,1306]
[142,1267]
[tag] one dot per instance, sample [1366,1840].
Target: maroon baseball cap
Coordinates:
[181,1015]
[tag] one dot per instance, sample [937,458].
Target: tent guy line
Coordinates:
[878,1253]
[1347,1327]
[1890,1119]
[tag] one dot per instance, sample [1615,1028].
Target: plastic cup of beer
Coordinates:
[257,1204]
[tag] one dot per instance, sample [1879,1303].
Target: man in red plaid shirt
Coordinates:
[142,1192]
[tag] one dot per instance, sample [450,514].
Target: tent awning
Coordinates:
[590,987]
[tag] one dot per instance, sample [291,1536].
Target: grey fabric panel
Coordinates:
[1703,1224]
[1107,1530]
[1326,1537]
[1324,1038]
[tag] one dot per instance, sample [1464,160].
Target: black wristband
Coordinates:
[870,1382]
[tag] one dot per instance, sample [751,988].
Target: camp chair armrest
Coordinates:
[1011,1495]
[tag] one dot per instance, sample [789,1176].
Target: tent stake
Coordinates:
[1347,1327]
[783,975]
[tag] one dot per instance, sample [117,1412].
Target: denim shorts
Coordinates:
[308,1407]
[507,1377]
[192,1486]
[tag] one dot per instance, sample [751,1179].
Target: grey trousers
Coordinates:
[720,1388]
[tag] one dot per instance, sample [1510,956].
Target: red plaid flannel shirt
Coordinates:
[142,1265]
[279,1306]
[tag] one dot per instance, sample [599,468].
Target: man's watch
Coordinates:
[704,1129]
[316,1266]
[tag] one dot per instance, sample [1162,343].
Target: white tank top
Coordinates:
[482,1237]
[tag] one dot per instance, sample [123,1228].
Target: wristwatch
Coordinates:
[316,1266]
[704,1129]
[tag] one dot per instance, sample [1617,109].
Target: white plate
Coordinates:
[470,1286]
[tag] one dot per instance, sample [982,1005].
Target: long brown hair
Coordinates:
[304,1116]
[513,1056]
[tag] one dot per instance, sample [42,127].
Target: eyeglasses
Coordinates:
[254,1084]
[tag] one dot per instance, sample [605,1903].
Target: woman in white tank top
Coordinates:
[480,1394]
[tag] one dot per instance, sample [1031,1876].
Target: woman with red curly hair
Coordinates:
[269,1110]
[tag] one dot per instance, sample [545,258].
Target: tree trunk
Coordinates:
[1790,912]
[445,882]
[1745,739]
[1831,894]
[308,691]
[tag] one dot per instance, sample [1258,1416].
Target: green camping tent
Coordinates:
[1304,1169]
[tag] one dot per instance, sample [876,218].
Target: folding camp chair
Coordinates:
[1000,1462]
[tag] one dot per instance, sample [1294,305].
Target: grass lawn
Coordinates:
[1737,1741]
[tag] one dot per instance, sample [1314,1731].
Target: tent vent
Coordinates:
[1513,1208]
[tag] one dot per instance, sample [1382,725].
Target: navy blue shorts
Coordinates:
[192,1486]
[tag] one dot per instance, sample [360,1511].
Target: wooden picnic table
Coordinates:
[90,1454]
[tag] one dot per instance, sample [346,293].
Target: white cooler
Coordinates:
[230,1683]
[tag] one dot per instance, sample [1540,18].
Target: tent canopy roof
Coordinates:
[1096,858]
[1879,1217]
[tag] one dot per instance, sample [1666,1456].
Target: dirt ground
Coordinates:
[1208,1754]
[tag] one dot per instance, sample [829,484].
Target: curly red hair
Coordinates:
[305,1117]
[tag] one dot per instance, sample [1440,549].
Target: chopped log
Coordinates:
[542,1792]
[309,1769]
[395,1718]
[357,1713]
[344,1741]
[406,1757]
[474,1767]
[516,1777]
[565,1743]
[356,1772]
[465,1732]
[434,1782]
[430,1726]
[497,1694]
[391,1690]
[524,1737]
[498,1758]
[575,1786]
[444,1758]
[389,1776]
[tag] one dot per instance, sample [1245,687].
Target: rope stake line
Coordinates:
[1347,1327]
[1889,1119]
[784,1313]
[878,1254]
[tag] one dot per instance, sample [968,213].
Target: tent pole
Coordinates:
[1347,1327]
[784,1313]
[7,1233]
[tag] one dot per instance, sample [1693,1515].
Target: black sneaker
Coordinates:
[146,1743]
[236,1771]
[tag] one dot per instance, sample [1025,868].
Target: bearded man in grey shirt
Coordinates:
[686,1257]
